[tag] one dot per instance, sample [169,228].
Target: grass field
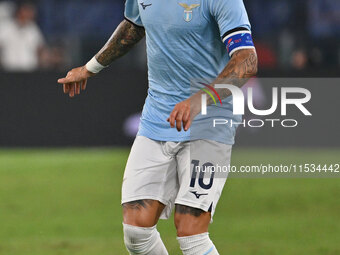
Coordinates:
[67,201]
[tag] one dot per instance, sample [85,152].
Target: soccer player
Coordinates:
[186,40]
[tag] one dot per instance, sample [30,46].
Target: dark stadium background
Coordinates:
[62,159]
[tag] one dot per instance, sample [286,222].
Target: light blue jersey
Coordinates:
[184,43]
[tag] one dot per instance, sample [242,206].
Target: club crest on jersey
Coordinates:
[188,11]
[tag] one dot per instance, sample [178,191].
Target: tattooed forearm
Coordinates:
[241,67]
[122,40]
[138,204]
[243,64]
[182,209]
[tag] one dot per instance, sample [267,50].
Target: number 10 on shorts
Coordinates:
[197,169]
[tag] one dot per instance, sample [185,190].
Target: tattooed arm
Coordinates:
[242,66]
[122,40]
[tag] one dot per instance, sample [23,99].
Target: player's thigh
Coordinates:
[202,176]
[149,184]
[142,213]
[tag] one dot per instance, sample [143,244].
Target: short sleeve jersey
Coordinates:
[185,43]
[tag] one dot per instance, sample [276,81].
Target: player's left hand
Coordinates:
[183,112]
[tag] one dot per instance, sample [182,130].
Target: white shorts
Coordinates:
[165,171]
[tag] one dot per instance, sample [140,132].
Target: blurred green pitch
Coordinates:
[67,201]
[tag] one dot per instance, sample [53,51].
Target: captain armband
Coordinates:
[238,40]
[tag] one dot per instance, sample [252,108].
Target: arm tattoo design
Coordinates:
[138,204]
[241,67]
[243,64]
[122,40]
[182,209]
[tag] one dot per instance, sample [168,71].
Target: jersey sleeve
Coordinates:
[131,12]
[232,19]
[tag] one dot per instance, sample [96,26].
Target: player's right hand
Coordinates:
[75,81]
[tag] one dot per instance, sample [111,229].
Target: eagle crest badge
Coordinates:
[188,10]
